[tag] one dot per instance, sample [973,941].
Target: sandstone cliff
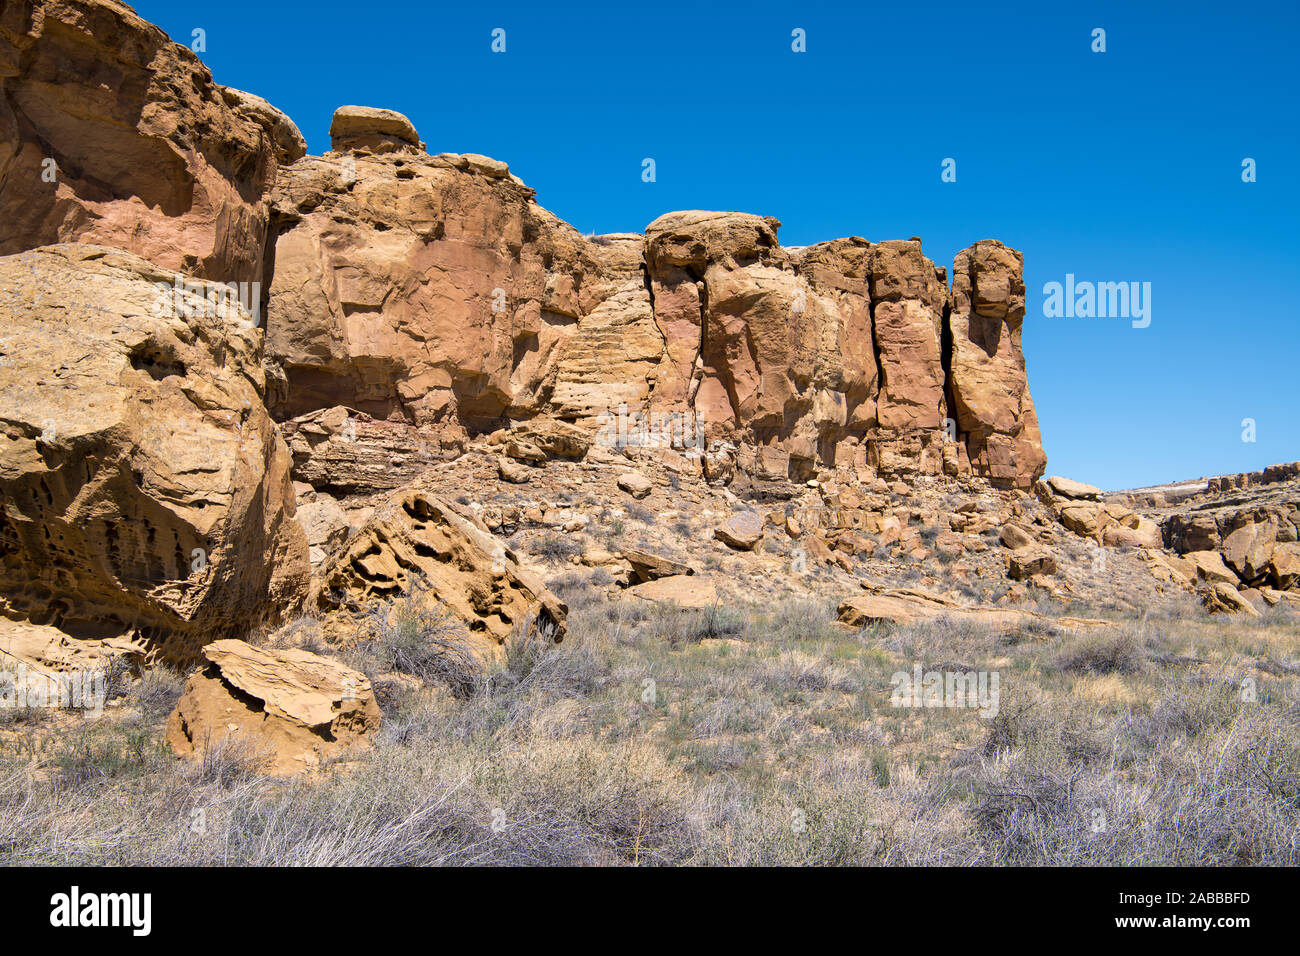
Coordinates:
[112,134]
[435,290]
[412,304]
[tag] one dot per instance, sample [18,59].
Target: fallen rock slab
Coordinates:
[1220,598]
[638,486]
[687,591]
[1069,488]
[1284,566]
[742,530]
[513,472]
[1029,562]
[906,606]
[290,708]
[648,566]
[1013,536]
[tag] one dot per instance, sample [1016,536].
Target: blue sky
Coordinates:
[1115,166]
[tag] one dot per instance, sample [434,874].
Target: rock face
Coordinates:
[433,290]
[418,540]
[112,134]
[290,709]
[989,386]
[144,490]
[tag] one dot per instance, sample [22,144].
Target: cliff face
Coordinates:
[434,290]
[433,294]
[112,134]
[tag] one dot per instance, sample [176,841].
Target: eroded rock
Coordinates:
[417,539]
[287,711]
[144,490]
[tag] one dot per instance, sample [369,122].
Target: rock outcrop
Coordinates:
[416,305]
[434,290]
[285,710]
[144,490]
[906,606]
[112,134]
[989,386]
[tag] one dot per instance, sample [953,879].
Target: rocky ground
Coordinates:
[708,702]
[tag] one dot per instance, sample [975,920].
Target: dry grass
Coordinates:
[727,736]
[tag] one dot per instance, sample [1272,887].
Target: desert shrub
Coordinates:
[644,515]
[157,692]
[680,626]
[557,547]
[1112,651]
[411,637]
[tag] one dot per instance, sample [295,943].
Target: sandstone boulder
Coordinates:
[1284,567]
[1248,548]
[1132,531]
[1221,598]
[742,530]
[684,591]
[905,606]
[374,130]
[144,490]
[41,666]
[417,540]
[1087,519]
[648,566]
[290,710]
[1071,489]
[513,472]
[1029,562]
[1013,536]
[1209,567]
[636,485]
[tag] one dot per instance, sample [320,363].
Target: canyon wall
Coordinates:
[435,290]
[416,300]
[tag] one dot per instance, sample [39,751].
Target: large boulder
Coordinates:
[1030,562]
[286,711]
[374,130]
[1284,566]
[144,490]
[418,543]
[149,154]
[1248,547]
[1220,598]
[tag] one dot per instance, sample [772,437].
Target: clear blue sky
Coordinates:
[1122,166]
